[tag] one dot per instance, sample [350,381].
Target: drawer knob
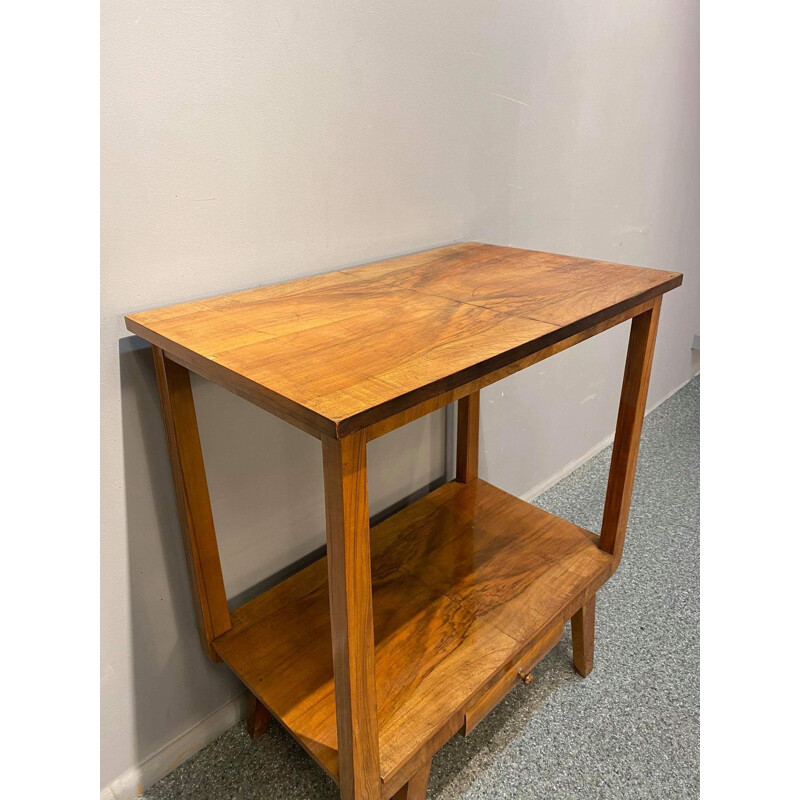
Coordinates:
[526,677]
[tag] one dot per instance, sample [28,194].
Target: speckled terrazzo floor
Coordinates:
[630,730]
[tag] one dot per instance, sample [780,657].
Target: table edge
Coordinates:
[377,413]
[320,425]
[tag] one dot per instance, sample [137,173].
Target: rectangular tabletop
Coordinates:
[338,352]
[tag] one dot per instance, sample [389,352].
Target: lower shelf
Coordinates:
[465,582]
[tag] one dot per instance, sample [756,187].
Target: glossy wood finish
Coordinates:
[467,437]
[350,597]
[633,399]
[506,561]
[583,638]
[467,582]
[428,406]
[339,352]
[194,506]
[257,716]
[374,656]
[517,670]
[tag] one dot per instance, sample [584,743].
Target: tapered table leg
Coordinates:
[467,441]
[257,716]
[194,505]
[417,786]
[583,638]
[352,633]
[641,347]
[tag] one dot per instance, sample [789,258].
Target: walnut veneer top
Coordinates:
[338,352]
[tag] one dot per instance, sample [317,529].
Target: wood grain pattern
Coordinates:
[194,504]
[449,576]
[583,638]
[524,662]
[508,562]
[350,595]
[280,646]
[340,352]
[625,453]
[467,437]
[549,287]
[374,656]
[388,424]
[257,716]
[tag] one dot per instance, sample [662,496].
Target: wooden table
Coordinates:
[375,655]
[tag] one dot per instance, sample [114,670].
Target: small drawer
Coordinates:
[517,670]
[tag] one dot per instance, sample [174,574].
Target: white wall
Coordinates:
[248,143]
